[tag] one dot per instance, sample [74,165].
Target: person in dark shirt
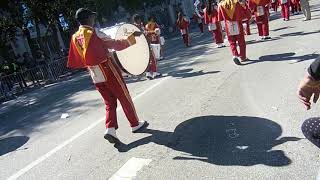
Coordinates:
[309,89]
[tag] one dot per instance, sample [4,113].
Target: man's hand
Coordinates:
[308,88]
[137,33]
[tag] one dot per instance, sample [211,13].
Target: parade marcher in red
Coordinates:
[285,9]
[152,30]
[246,22]
[183,25]
[260,8]
[214,26]
[295,6]
[198,15]
[232,13]
[275,5]
[89,49]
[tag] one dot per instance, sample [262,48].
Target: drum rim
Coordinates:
[116,55]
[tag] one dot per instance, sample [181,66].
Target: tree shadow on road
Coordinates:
[31,111]
[11,144]
[222,140]
[284,57]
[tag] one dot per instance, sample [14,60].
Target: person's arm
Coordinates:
[119,45]
[310,85]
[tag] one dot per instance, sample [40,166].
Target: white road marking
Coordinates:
[93,125]
[129,170]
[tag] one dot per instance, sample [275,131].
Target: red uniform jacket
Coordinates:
[183,23]
[90,49]
[233,17]
[150,31]
[260,8]
[213,18]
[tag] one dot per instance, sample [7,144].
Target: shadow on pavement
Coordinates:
[46,105]
[284,57]
[11,144]
[300,33]
[282,28]
[222,140]
[262,41]
[187,73]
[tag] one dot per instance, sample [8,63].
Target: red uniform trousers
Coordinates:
[115,89]
[275,6]
[153,63]
[247,27]
[295,6]
[285,12]
[201,27]
[217,34]
[185,38]
[153,67]
[233,40]
[263,26]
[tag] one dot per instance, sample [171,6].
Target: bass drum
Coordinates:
[135,59]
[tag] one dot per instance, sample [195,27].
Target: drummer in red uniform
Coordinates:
[232,13]
[89,49]
[183,24]
[152,30]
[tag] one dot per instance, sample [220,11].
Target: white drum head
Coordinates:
[135,59]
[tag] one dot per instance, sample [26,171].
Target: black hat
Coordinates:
[84,13]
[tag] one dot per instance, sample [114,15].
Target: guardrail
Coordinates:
[18,82]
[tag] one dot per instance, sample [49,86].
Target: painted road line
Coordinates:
[130,169]
[76,136]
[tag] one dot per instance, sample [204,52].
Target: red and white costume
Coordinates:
[275,5]
[90,49]
[183,25]
[198,17]
[246,22]
[295,6]
[153,38]
[285,9]
[213,23]
[233,16]
[261,12]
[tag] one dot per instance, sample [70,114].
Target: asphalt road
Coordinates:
[209,119]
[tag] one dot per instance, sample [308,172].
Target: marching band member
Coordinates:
[152,30]
[295,6]
[214,26]
[89,49]
[232,13]
[137,20]
[246,22]
[261,12]
[285,9]
[275,5]
[198,16]
[183,25]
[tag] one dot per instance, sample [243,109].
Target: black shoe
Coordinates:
[267,38]
[236,61]
[111,139]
